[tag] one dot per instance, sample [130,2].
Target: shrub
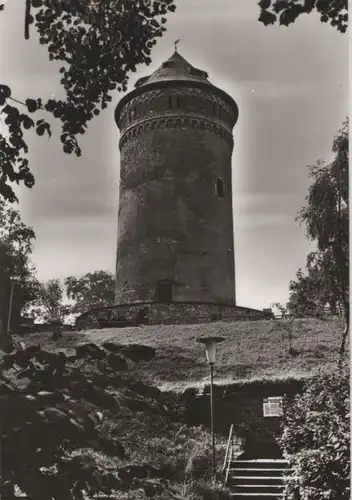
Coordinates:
[199,464]
[205,490]
[58,434]
[316,439]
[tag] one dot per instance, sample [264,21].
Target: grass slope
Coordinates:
[252,349]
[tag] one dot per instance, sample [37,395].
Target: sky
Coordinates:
[291,87]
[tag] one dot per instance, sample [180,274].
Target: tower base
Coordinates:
[175,313]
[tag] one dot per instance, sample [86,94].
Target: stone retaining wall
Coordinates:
[157,314]
[242,405]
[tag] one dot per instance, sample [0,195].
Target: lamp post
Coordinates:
[210,351]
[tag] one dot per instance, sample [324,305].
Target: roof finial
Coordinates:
[176,42]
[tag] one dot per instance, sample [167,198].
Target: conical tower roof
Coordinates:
[176,68]
[176,72]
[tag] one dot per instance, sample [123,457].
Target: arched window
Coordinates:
[170,102]
[164,292]
[178,102]
[220,188]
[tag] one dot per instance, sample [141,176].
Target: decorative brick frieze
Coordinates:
[150,103]
[167,121]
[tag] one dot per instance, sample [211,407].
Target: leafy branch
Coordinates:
[285,12]
[99,44]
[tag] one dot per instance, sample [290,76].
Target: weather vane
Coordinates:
[176,42]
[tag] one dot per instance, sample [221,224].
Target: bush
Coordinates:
[205,490]
[56,411]
[199,464]
[316,439]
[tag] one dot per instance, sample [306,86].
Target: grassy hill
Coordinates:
[142,419]
[251,350]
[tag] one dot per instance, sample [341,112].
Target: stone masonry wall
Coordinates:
[242,405]
[157,314]
[172,225]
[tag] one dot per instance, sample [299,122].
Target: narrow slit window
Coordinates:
[164,292]
[220,188]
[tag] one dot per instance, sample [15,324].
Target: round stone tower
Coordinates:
[175,222]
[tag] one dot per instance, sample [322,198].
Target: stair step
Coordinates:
[259,468]
[264,460]
[255,488]
[261,472]
[256,485]
[256,496]
[260,464]
[258,480]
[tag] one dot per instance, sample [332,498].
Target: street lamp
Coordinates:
[210,351]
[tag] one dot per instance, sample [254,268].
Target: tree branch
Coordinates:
[16,100]
[26,19]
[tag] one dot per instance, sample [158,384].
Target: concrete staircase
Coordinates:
[256,479]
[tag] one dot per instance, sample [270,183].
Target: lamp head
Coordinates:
[210,347]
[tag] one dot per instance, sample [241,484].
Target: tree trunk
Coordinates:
[345,334]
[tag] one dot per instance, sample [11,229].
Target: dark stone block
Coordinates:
[137,352]
[117,362]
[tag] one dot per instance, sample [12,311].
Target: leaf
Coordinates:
[77,425]
[286,18]
[264,4]
[280,5]
[98,478]
[54,414]
[5,91]
[29,180]
[267,18]
[31,105]
[40,130]
[27,122]
[43,127]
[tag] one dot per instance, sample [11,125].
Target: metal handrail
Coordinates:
[228,447]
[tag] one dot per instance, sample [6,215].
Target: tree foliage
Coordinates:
[325,281]
[16,270]
[92,290]
[285,12]
[98,43]
[43,420]
[59,439]
[316,291]
[49,302]
[316,439]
